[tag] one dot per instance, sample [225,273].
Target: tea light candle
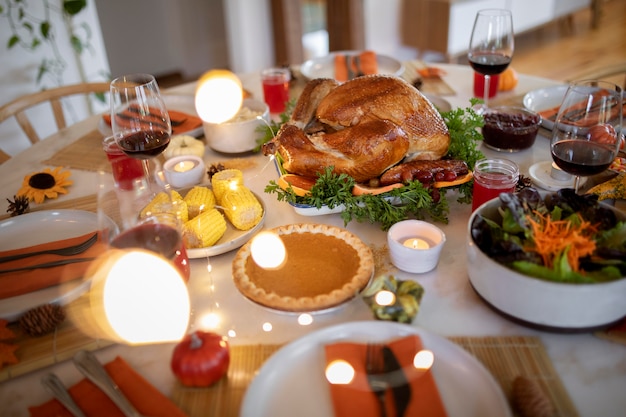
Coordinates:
[184,171]
[415,245]
[184,166]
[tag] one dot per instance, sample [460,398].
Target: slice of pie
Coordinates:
[325,266]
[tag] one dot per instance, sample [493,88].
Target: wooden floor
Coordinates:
[566,52]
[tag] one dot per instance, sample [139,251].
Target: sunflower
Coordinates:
[47,183]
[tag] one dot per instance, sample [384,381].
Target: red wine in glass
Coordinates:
[488,63]
[159,238]
[144,144]
[584,158]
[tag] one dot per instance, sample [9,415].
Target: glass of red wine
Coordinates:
[139,119]
[491,45]
[587,132]
[146,216]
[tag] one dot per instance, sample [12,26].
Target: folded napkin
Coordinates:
[367,65]
[181,122]
[144,396]
[22,282]
[574,113]
[356,399]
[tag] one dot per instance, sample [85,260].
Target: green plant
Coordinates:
[33,32]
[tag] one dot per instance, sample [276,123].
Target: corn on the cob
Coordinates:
[204,230]
[225,180]
[242,208]
[199,199]
[163,203]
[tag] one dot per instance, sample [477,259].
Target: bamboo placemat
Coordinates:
[85,153]
[87,203]
[505,357]
[430,85]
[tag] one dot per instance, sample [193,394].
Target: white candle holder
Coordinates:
[184,171]
[415,245]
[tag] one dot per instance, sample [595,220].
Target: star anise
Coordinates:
[214,169]
[18,206]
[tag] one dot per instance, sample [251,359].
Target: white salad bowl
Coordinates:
[552,306]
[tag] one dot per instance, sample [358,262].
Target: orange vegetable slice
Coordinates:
[460,180]
[299,184]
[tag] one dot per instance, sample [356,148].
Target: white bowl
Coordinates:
[415,260]
[538,303]
[237,136]
[187,178]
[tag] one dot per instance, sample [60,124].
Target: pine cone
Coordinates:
[42,319]
[530,400]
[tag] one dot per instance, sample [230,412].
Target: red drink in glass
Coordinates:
[492,177]
[125,169]
[276,88]
[479,85]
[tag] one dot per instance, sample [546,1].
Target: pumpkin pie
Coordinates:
[324,267]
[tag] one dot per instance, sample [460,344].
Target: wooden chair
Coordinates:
[18,107]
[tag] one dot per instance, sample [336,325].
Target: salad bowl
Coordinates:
[551,305]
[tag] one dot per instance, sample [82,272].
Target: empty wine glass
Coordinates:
[491,45]
[139,119]
[587,130]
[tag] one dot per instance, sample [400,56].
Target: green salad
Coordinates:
[563,237]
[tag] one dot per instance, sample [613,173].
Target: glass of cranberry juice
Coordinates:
[276,88]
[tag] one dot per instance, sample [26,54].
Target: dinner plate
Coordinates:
[544,99]
[41,227]
[185,104]
[232,239]
[324,67]
[292,382]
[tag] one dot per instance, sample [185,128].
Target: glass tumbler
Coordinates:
[276,88]
[492,177]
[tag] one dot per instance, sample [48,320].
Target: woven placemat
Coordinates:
[430,85]
[85,153]
[505,357]
[87,203]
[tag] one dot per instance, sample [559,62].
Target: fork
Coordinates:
[89,366]
[54,386]
[375,370]
[67,251]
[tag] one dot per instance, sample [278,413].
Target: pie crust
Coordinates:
[325,267]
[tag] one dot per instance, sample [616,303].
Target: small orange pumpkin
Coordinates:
[507,80]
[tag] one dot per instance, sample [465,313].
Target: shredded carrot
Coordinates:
[551,237]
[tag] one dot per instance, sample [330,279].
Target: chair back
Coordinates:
[18,107]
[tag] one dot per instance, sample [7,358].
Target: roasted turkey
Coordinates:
[361,127]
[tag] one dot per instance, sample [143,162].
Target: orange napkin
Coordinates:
[22,282]
[356,398]
[181,122]
[368,64]
[550,114]
[94,403]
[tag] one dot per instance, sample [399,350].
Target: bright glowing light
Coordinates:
[339,372]
[415,243]
[210,321]
[423,359]
[145,300]
[305,319]
[232,333]
[267,327]
[385,298]
[219,96]
[268,250]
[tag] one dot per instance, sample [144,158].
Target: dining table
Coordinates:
[585,371]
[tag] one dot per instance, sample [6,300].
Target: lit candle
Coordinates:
[184,166]
[416,243]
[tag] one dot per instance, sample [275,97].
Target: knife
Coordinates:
[47,265]
[398,381]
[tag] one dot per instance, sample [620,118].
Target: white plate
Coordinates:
[324,67]
[41,227]
[185,104]
[233,239]
[544,99]
[292,383]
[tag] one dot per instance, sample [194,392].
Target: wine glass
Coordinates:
[139,119]
[146,215]
[491,45]
[587,130]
